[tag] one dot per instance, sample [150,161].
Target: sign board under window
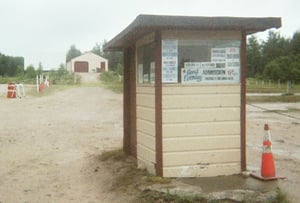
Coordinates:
[223,68]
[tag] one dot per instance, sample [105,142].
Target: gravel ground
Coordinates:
[49,145]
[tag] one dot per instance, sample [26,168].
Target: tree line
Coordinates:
[276,58]
[11,65]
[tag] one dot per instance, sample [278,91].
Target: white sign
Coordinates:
[218,55]
[191,75]
[152,72]
[224,68]
[169,61]
[141,73]
[209,75]
[233,57]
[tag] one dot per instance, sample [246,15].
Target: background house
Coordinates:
[87,63]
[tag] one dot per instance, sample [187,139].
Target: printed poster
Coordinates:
[141,73]
[223,68]
[169,61]
[152,72]
[218,55]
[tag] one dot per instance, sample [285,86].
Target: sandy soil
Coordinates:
[49,145]
[285,142]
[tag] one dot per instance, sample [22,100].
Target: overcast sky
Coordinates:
[43,30]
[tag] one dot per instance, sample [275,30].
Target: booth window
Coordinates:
[200,61]
[145,64]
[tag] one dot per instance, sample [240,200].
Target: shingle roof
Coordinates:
[144,24]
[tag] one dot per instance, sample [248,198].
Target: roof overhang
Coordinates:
[145,24]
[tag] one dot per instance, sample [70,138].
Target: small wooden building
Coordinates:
[87,63]
[184,92]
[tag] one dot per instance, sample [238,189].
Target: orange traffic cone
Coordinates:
[267,161]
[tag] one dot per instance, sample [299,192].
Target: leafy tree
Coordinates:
[30,72]
[98,48]
[20,71]
[40,69]
[295,43]
[284,68]
[114,58]
[72,53]
[274,47]
[254,57]
[62,70]
[10,64]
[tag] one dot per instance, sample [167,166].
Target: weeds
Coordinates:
[155,179]
[116,155]
[128,178]
[155,196]
[112,81]
[271,99]
[279,198]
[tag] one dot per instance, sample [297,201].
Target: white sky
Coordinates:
[43,30]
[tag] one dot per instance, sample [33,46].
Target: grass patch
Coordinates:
[114,86]
[139,183]
[127,176]
[260,86]
[112,80]
[272,99]
[157,197]
[116,155]
[47,91]
[280,197]
[157,180]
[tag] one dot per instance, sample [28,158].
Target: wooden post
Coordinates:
[243,102]
[158,105]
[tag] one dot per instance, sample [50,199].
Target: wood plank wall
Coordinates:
[201,130]
[146,127]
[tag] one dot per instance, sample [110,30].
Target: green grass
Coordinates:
[131,180]
[116,155]
[273,99]
[111,80]
[155,196]
[280,197]
[114,86]
[32,90]
[260,86]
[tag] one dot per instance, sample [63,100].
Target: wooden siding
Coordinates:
[202,170]
[201,130]
[145,109]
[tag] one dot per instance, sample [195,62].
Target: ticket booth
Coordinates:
[184,92]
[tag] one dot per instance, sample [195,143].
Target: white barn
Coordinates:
[87,63]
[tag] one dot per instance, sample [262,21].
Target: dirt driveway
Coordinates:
[284,123]
[49,145]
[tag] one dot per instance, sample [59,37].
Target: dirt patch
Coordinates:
[49,146]
[284,122]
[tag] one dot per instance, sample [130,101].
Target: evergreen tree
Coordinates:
[72,53]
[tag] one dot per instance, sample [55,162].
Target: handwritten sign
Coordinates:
[224,68]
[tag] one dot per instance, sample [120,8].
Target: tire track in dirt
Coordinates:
[48,146]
